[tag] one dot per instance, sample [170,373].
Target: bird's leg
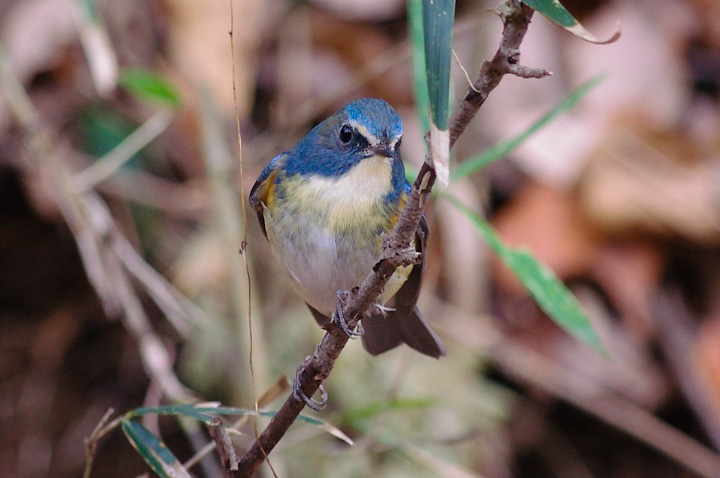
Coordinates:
[381,309]
[300,396]
[339,317]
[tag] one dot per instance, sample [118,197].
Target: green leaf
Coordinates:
[438,19]
[149,86]
[503,148]
[543,285]
[323,425]
[417,47]
[186,410]
[554,11]
[160,459]
[202,412]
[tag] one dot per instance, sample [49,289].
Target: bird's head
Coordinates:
[365,128]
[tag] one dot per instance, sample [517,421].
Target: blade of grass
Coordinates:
[541,283]
[186,410]
[153,451]
[438,21]
[203,412]
[417,49]
[558,14]
[503,148]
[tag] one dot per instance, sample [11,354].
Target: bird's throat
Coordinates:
[354,198]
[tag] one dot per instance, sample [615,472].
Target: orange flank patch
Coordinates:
[268,190]
[394,218]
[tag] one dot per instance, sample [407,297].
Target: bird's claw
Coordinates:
[340,321]
[309,401]
[382,309]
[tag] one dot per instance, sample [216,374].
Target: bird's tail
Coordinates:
[384,332]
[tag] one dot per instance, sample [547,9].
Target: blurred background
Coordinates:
[121,219]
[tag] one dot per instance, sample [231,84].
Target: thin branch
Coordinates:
[316,368]
[224,446]
[103,427]
[516,19]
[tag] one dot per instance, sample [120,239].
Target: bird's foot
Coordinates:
[309,401]
[382,309]
[340,320]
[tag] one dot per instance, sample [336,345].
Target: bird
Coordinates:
[325,206]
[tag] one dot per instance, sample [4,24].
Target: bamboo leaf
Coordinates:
[503,148]
[186,410]
[543,285]
[158,457]
[323,425]
[203,412]
[417,45]
[438,20]
[554,11]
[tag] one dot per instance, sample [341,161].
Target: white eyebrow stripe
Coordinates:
[371,138]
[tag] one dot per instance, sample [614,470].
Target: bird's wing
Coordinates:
[263,189]
[405,324]
[407,296]
[320,318]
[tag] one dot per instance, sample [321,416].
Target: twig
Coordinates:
[276,390]
[228,458]
[516,18]
[91,443]
[316,368]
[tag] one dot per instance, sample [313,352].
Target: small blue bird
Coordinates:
[324,206]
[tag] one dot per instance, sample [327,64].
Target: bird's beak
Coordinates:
[384,149]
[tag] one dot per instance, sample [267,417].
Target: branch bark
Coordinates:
[316,368]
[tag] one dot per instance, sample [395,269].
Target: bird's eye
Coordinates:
[346,133]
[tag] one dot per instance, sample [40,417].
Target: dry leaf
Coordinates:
[653,183]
